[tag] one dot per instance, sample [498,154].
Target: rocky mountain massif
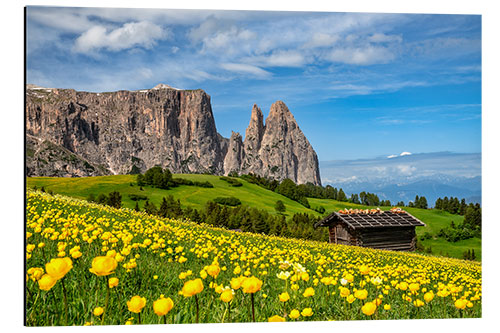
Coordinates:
[71,133]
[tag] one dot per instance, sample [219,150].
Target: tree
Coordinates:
[102,199]
[280,207]
[114,199]
[140,180]
[354,198]
[91,198]
[136,208]
[341,196]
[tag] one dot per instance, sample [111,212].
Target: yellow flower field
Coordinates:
[95,265]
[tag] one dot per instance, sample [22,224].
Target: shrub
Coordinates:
[228,201]
[137,197]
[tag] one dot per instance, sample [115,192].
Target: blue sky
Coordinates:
[359,85]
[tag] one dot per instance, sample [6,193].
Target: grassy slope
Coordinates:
[249,194]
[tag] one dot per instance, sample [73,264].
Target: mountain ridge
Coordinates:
[130,131]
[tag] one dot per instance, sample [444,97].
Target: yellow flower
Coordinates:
[403,286]
[304,276]
[251,285]
[369,308]
[163,306]
[203,274]
[349,277]
[192,287]
[136,304]
[294,314]
[59,267]
[350,298]
[418,303]
[102,266]
[76,254]
[344,292]
[46,282]
[236,282]
[308,292]
[113,282]
[98,311]
[307,312]
[213,270]
[276,318]
[294,287]
[387,307]
[428,296]
[227,295]
[363,269]
[461,303]
[414,287]
[284,297]
[361,294]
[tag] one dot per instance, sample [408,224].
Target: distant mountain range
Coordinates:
[402,177]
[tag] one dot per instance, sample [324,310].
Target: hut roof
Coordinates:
[378,220]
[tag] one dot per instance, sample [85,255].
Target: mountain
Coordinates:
[72,133]
[401,178]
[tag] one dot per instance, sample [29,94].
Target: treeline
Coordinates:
[113,199]
[241,217]
[453,205]
[368,199]
[163,179]
[299,193]
[470,227]
[419,202]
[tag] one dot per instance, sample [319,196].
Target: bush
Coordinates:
[228,201]
[137,197]
[233,182]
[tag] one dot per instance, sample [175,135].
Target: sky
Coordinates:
[360,85]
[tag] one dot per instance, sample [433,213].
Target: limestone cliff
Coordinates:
[73,133]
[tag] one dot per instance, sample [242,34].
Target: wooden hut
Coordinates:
[387,230]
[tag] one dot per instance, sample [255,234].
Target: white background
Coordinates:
[12,140]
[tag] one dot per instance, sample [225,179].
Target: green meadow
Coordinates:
[249,194]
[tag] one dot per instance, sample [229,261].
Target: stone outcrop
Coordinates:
[72,133]
[279,149]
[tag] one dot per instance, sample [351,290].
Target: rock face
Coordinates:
[72,133]
[279,149]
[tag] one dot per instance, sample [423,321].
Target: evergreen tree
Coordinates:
[280,207]
[114,199]
[136,208]
[341,195]
[354,198]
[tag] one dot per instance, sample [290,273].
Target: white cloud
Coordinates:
[133,34]
[383,38]
[405,153]
[406,170]
[246,69]
[392,156]
[368,55]
[279,58]
[321,40]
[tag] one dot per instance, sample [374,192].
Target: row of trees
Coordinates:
[157,177]
[451,205]
[241,217]
[113,199]
[419,202]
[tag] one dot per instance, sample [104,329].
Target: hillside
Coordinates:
[249,194]
[149,257]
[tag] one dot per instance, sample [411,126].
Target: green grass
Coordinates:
[249,194]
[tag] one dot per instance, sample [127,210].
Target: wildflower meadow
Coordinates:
[88,264]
